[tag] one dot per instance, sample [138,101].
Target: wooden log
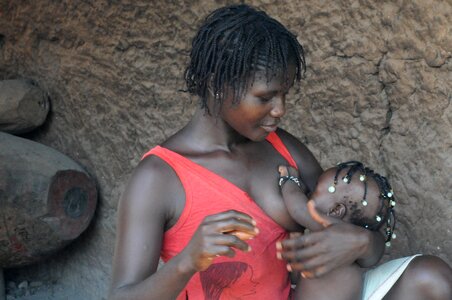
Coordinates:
[46,201]
[23,106]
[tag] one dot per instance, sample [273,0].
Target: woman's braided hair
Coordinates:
[232,44]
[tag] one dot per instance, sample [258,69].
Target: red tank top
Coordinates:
[257,274]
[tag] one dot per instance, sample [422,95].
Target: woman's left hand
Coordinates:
[317,253]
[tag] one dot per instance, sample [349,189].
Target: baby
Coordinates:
[352,193]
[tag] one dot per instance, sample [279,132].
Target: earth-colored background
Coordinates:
[378,89]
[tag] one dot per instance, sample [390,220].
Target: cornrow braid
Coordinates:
[386,213]
[232,44]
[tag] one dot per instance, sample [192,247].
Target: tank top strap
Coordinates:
[178,163]
[183,172]
[170,157]
[278,144]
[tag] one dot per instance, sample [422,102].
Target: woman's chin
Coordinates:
[259,138]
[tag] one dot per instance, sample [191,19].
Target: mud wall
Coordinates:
[378,88]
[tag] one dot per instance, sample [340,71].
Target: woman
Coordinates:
[198,198]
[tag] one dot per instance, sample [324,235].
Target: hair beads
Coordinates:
[387,201]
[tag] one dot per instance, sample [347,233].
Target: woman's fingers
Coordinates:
[299,255]
[219,235]
[300,241]
[235,222]
[231,241]
[242,235]
[306,254]
[206,258]
[229,229]
[231,223]
[313,265]
[294,235]
[311,262]
[318,253]
[298,249]
[230,214]
[319,272]
[220,250]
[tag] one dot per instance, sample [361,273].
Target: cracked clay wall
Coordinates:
[378,88]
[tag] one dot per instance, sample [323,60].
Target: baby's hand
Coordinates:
[287,171]
[289,175]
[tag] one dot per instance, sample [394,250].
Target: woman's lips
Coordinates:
[269,128]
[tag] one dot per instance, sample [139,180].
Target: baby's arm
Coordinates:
[295,199]
[344,283]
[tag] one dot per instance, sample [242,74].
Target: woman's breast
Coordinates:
[266,193]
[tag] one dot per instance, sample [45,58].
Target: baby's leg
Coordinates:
[344,283]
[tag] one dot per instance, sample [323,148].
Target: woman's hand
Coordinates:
[317,253]
[218,235]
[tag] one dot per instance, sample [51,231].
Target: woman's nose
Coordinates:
[279,107]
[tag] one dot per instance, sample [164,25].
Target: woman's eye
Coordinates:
[265,99]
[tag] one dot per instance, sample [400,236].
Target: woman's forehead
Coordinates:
[268,79]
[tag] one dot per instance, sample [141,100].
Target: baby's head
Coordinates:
[358,195]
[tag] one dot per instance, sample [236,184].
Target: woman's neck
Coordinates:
[210,132]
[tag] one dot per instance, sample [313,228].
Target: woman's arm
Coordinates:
[373,250]
[337,245]
[142,214]
[148,204]
[318,253]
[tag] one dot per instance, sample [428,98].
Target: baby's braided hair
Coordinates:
[386,211]
[232,44]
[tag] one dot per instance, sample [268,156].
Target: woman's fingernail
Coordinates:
[289,268]
[253,222]
[249,248]
[256,230]
[278,245]
[302,275]
[279,255]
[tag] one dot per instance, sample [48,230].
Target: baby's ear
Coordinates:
[338,210]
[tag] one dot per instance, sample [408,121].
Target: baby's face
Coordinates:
[349,195]
[323,199]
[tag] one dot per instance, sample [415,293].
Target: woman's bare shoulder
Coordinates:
[155,169]
[150,171]
[154,187]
